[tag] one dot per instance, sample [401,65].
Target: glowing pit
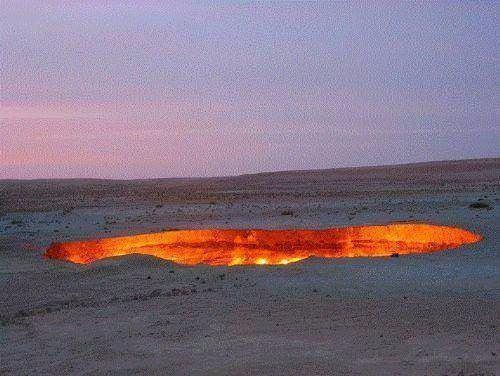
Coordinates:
[269,247]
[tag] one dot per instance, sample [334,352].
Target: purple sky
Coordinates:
[196,89]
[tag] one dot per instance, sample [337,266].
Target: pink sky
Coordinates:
[139,91]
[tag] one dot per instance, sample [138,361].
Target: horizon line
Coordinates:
[251,173]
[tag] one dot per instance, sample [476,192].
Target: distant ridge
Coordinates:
[380,167]
[267,173]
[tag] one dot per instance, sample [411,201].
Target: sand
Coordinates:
[431,314]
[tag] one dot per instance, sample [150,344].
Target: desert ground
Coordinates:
[429,314]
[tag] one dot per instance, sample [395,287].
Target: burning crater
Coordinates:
[244,247]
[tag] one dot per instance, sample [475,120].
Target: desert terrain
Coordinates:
[427,314]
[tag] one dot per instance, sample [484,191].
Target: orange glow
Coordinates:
[269,247]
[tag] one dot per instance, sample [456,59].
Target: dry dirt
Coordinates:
[432,314]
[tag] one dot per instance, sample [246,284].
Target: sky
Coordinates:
[109,89]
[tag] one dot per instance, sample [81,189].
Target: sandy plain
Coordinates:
[431,314]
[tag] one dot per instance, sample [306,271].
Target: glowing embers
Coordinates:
[263,247]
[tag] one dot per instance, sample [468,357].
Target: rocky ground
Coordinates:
[433,314]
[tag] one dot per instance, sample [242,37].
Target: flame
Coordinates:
[263,247]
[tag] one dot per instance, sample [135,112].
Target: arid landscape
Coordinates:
[419,314]
[249,188]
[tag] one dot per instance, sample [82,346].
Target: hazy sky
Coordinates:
[194,89]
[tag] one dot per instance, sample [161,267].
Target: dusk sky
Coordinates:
[143,90]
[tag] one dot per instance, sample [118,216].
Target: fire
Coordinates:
[261,261]
[269,247]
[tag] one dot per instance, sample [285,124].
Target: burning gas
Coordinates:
[243,247]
